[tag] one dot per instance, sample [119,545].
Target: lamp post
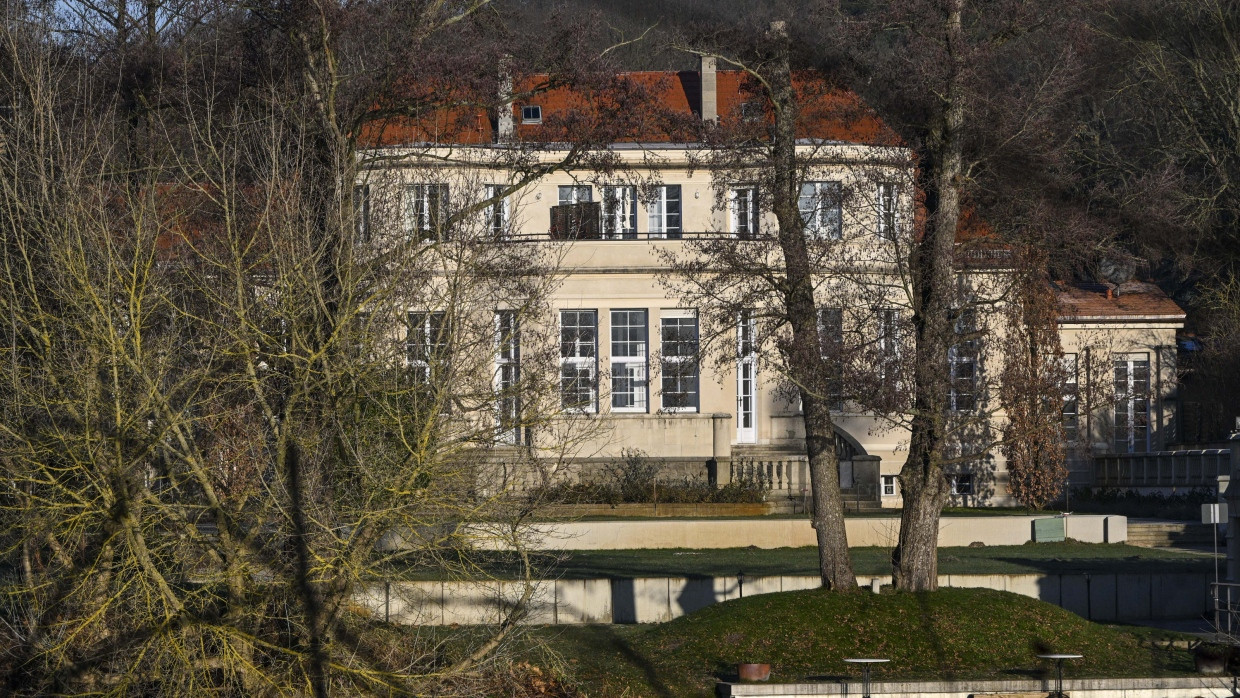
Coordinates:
[1059,658]
[865,672]
[740,582]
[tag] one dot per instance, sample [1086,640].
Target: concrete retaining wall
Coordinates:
[780,533]
[1102,597]
[1203,687]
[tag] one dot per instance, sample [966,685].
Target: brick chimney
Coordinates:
[505,127]
[710,90]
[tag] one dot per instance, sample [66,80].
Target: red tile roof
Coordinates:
[1131,300]
[650,106]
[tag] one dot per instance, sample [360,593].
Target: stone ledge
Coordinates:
[1183,687]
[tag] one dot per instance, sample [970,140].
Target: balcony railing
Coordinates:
[1197,468]
[587,234]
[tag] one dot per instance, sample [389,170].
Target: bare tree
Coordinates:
[758,289]
[940,74]
[241,390]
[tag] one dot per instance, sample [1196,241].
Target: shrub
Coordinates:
[634,479]
[1184,506]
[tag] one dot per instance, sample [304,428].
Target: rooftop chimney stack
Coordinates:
[710,90]
[505,127]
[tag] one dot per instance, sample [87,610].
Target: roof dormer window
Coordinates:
[531,114]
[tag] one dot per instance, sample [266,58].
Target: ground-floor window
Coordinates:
[578,360]
[679,361]
[628,360]
[889,485]
[1132,403]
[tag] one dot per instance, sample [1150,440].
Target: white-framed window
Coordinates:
[746,377]
[1070,411]
[620,213]
[507,377]
[361,212]
[679,360]
[575,194]
[820,205]
[962,361]
[579,360]
[831,343]
[888,217]
[961,483]
[1132,402]
[531,114]
[888,343]
[629,348]
[663,213]
[426,343]
[744,212]
[497,211]
[889,485]
[426,211]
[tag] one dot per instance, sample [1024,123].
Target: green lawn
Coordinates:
[946,635]
[1003,559]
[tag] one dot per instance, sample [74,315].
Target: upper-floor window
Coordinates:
[579,360]
[962,359]
[361,212]
[1132,402]
[531,114]
[497,211]
[664,212]
[426,343]
[575,194]
[507,376]
[628,360]
[752,111]
[887,201]
[620,212]
[820,204]
[1070,416]
[426,211]
[744,212]
[679,360]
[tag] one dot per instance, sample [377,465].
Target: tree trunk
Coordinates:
[805,353]
[922,482]
[834,564]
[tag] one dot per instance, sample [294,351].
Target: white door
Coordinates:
[746,381]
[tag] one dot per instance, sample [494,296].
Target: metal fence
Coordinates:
[1197,468]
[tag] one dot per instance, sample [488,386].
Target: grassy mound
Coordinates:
[945,635]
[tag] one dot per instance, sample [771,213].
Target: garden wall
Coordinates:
[1101,597]
[782,533]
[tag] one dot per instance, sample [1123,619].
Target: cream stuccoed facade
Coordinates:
[634,360]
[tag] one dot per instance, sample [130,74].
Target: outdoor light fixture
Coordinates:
[865,669]
[1059,670]
[740,582]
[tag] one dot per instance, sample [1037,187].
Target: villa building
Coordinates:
[633,356]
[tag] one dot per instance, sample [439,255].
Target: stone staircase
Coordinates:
[1168,534]
[855,502]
